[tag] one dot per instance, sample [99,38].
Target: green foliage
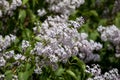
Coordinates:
[8,75]
[22,23]
[22,15]
[24,2]
[117,20]
[27,73]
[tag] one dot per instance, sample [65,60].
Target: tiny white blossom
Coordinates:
[41,12]
[2,76]
[19,57]
[38,71]
[12,37]
[53,58]
[75,24]
[14,77]
[25,44]
[9,54]
[15,3]
[83,36]
[2,61]
[0,13]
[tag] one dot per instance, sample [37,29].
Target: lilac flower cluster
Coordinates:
[5,42]
[111,34]
[7,8]
[116,7]
[59,40]
[64,7]
[95,70]
[5,55]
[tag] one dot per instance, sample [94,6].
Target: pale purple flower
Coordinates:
[19,57]
[2,61]
[0,13]
[9,54]
[41,12]
[25,44]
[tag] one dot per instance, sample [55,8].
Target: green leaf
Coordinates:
[22,15]
[117,20]
[27,34]
[20,76]
[25,75]
[24,1]
[80,64]
[60,71]
[94,35]
[72,74]
[8,75]
[35,2]
[28,66]
[94,13]
[28,72]
[103,22]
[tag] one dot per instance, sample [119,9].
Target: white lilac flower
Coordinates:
[41,12]
[95,46]
[1,42]
[64,6]
[0,13]
[14,77]
[25,44]
[2,76]
[35,29]
[117,55]
[111,34]
[112,74]
[2,61]
[80,20]
[98,78]
[5,42]
[19,57]
[15,3]
[9,7]
[59,41]
[83,36]
[95,70]
[101,29]
[38,48]
[53,58]
[12,37]
[9,54]
[19,2]
[5,4]
[38,70]
[75,24]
